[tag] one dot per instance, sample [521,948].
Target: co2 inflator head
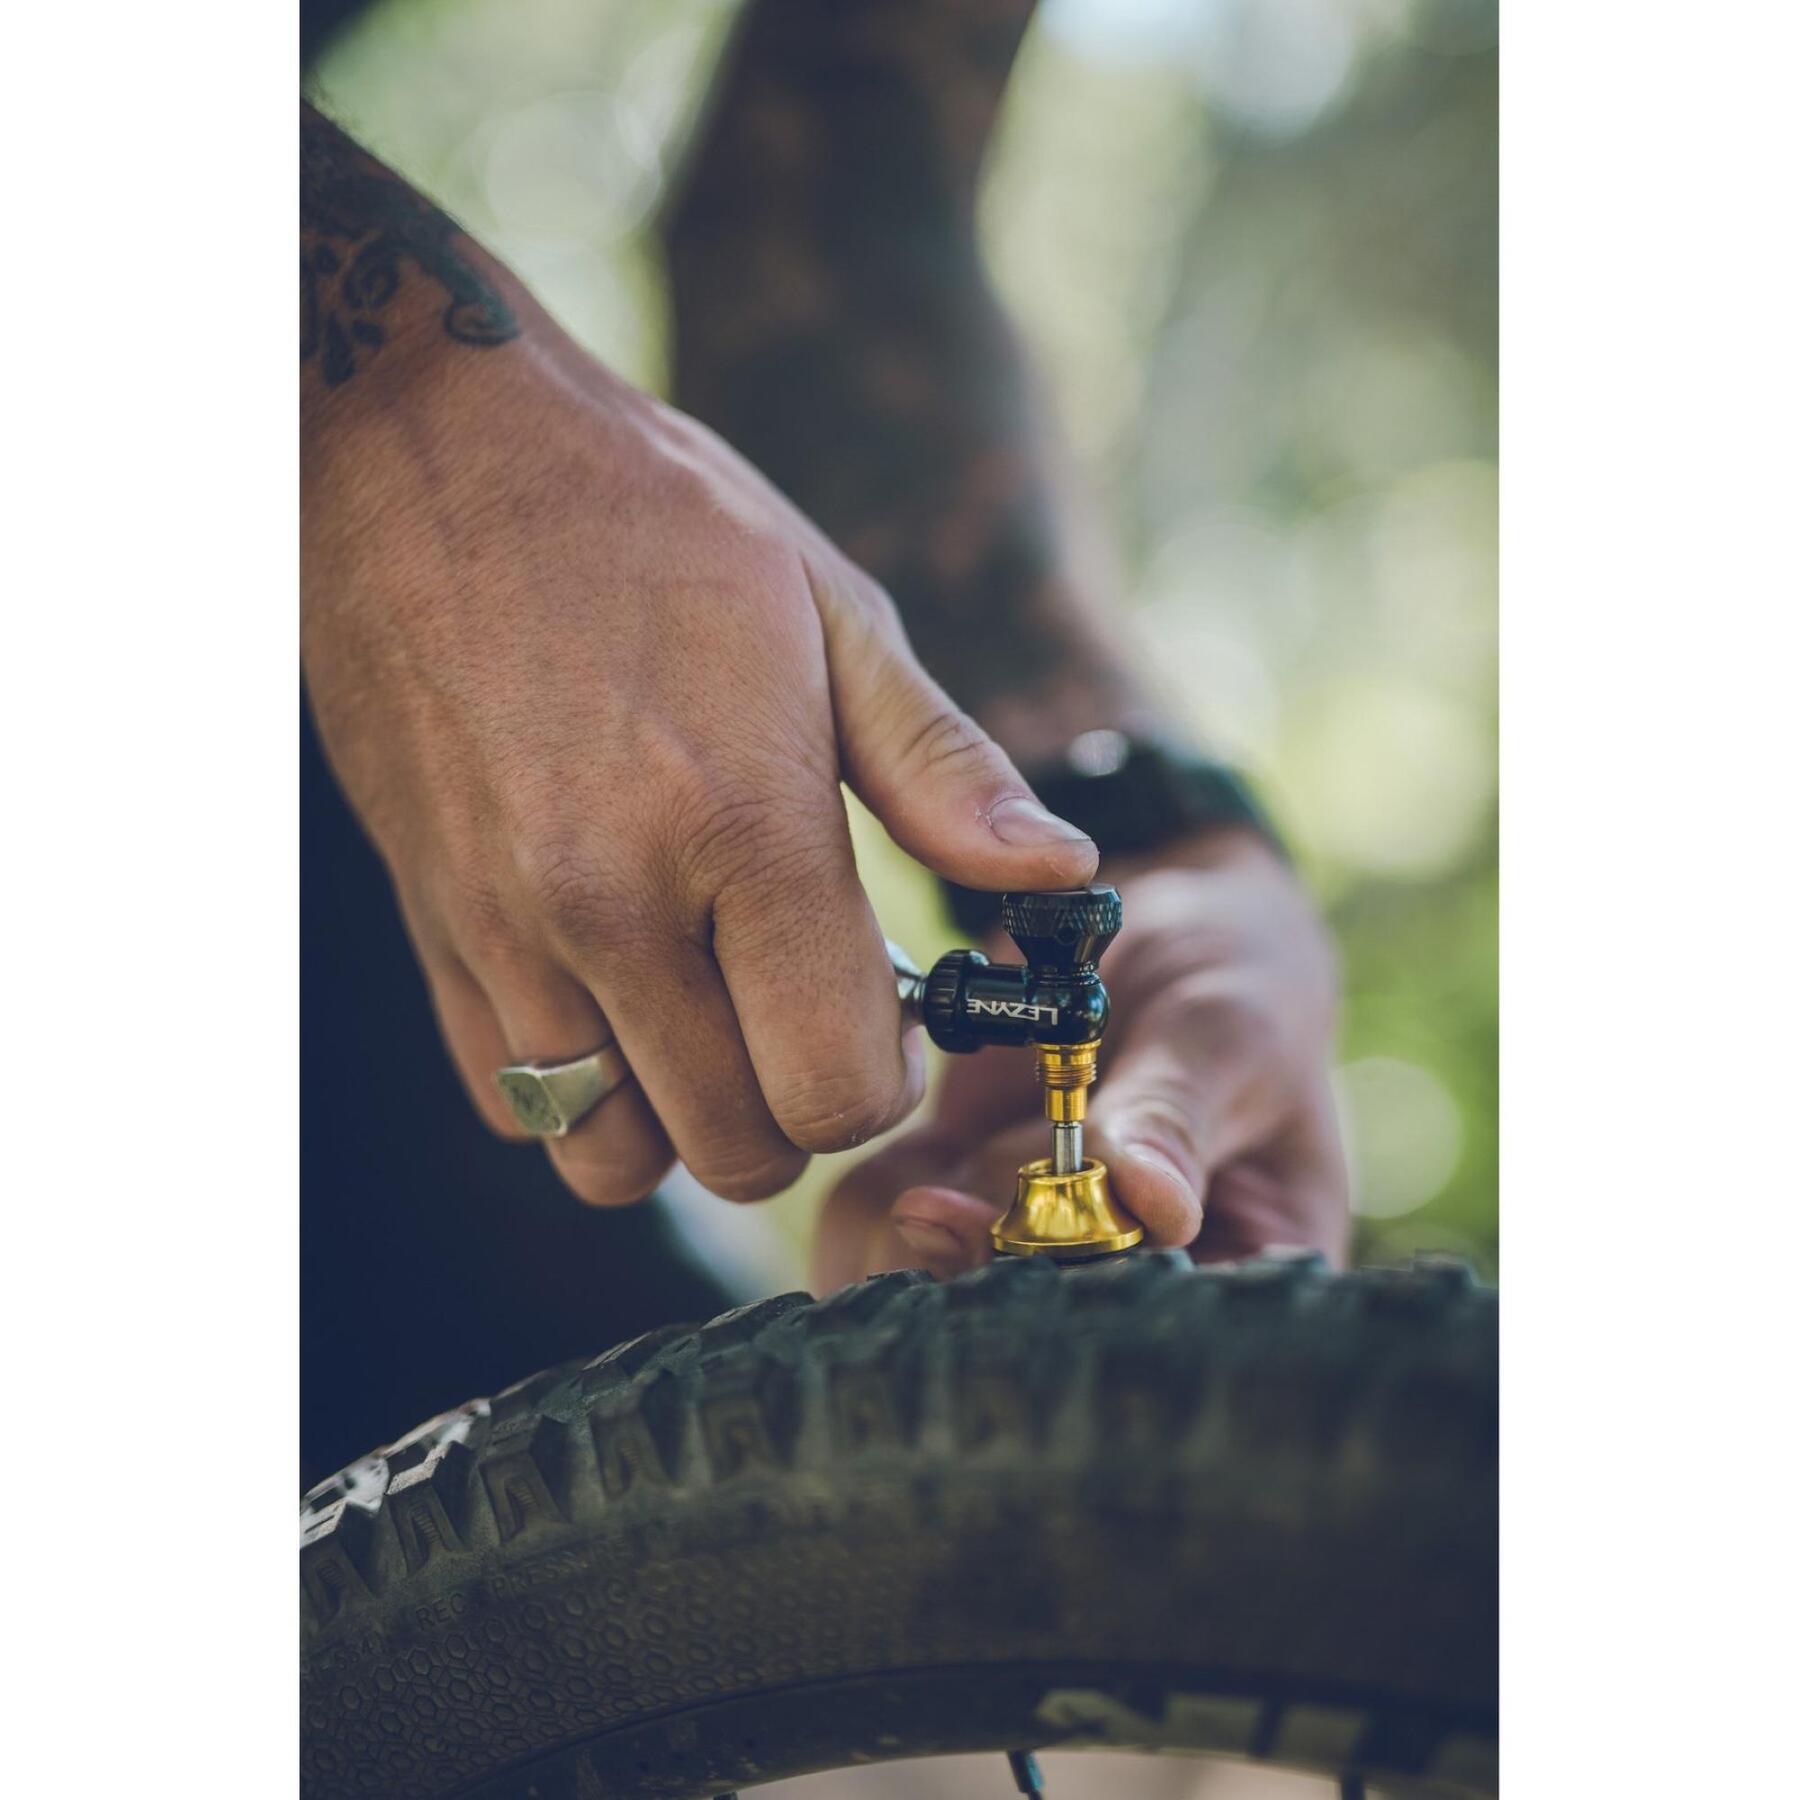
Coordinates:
[1055,1002]
[1054,997]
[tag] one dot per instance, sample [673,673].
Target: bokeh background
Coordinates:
[1253,243]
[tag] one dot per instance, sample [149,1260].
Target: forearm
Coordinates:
[835,323]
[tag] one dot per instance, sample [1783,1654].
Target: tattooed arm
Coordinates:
[361,232]
[834,320]
[591,685]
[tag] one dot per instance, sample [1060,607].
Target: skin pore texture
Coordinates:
[591,675]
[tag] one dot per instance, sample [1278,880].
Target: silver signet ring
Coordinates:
[550,1099]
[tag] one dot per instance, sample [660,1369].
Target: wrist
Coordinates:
[391,288]
[411,362]
[449,414]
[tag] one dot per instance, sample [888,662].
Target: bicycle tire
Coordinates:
[1246,1511]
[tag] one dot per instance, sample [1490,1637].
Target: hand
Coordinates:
[591,685]
[1212,1111]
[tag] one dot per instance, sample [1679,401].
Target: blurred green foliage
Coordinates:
[1254,244]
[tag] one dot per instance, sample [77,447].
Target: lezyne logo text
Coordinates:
[1014,1009]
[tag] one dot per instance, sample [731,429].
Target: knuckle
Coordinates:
[725,836]
[948,742]
[568,884]
[757,1173]
[829,1110]
[481,918]
[759,858]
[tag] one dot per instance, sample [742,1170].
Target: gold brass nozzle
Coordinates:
[1063,1206]
[1068,1217]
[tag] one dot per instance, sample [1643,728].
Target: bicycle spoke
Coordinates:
[1028,1778]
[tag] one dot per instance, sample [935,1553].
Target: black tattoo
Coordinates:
[359,227]
[836,324]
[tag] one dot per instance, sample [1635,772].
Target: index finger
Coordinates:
[808,973]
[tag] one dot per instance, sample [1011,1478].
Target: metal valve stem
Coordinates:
[909,982]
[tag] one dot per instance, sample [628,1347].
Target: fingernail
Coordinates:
[1019,819]
[931,1243]
[925,1234]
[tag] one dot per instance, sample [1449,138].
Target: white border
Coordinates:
[148,730]
[1648,920]
[147,699]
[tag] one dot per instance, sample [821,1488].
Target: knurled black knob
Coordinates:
[941,1009]
[1064,929]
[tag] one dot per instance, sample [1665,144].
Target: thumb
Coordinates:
[947,793]
[1145,1126]
[1191,1089]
